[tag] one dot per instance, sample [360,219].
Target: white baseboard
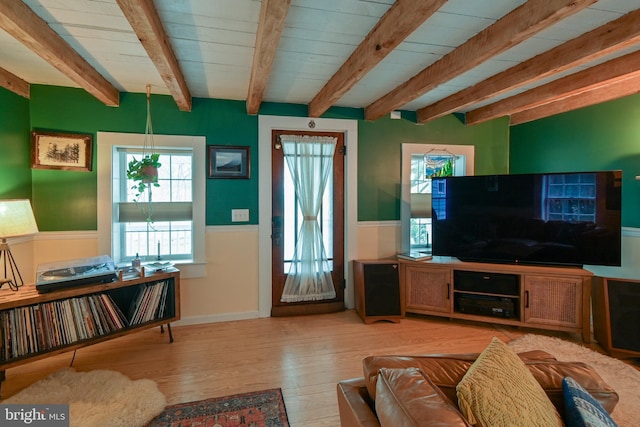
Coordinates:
[216,318]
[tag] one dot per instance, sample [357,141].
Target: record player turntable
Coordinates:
[64,274]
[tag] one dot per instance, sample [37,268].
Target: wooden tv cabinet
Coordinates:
[552,298]
[36,325]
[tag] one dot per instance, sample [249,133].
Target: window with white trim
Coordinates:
[420,163]
[178,216]
[169,233]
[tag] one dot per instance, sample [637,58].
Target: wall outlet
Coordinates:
[239,215]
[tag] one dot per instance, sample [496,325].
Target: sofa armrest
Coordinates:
[550,375]
[354,404]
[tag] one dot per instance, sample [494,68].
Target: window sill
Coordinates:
[188,269]
[191,269]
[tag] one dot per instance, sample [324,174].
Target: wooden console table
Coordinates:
[553,298]
[36,325]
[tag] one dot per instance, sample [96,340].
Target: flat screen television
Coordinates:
[561,219]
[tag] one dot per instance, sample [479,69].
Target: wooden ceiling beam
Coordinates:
[14,83]
[604,40]
[598,76]
[18,20]
[618,89]
[273,14]
[402,19]
[146,23]
[510,30]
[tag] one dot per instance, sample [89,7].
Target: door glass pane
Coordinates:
[326,220]
[291,214]
[293,218]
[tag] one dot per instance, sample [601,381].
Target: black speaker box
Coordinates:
[377,290]
[616,316]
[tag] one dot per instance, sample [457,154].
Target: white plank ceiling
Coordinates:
[215,43]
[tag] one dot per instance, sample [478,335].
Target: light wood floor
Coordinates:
[305,356]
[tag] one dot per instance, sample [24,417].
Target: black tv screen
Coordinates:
[568,219]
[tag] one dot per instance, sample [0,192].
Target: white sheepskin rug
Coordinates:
[97,398]
[623,378]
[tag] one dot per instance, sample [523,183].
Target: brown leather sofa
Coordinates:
[421,390]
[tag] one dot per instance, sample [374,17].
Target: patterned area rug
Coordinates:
[257,409]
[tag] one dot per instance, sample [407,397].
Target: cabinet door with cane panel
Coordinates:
[554,300]
[427,288]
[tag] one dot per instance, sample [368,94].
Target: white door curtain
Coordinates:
[310,162]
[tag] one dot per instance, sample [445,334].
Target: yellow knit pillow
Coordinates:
[498,390]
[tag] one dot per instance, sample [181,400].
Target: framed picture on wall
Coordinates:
[226,161]
[62,151]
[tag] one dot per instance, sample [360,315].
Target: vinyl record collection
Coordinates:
[149,303]
[45,326]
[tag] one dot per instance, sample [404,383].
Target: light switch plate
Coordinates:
[239,215]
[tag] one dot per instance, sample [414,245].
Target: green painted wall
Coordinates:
[600,137]
[380,151]
[67,200]
[15,160]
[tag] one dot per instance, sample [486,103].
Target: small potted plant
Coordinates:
[144,173]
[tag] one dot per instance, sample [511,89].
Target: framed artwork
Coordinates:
[62,151]
[226,161]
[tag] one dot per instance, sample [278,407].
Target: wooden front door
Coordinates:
[286,219]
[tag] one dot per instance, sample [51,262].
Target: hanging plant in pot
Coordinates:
[144,172]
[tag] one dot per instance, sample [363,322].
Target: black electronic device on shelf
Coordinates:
[495,283]
[485,305]
[486,294]
[558,219]
[63,274]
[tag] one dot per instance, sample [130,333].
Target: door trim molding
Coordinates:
[265,125]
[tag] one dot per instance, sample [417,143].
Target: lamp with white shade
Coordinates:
[16,219]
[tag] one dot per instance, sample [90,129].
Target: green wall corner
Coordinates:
[15,152]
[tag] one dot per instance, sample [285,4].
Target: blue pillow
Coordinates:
[581,409]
